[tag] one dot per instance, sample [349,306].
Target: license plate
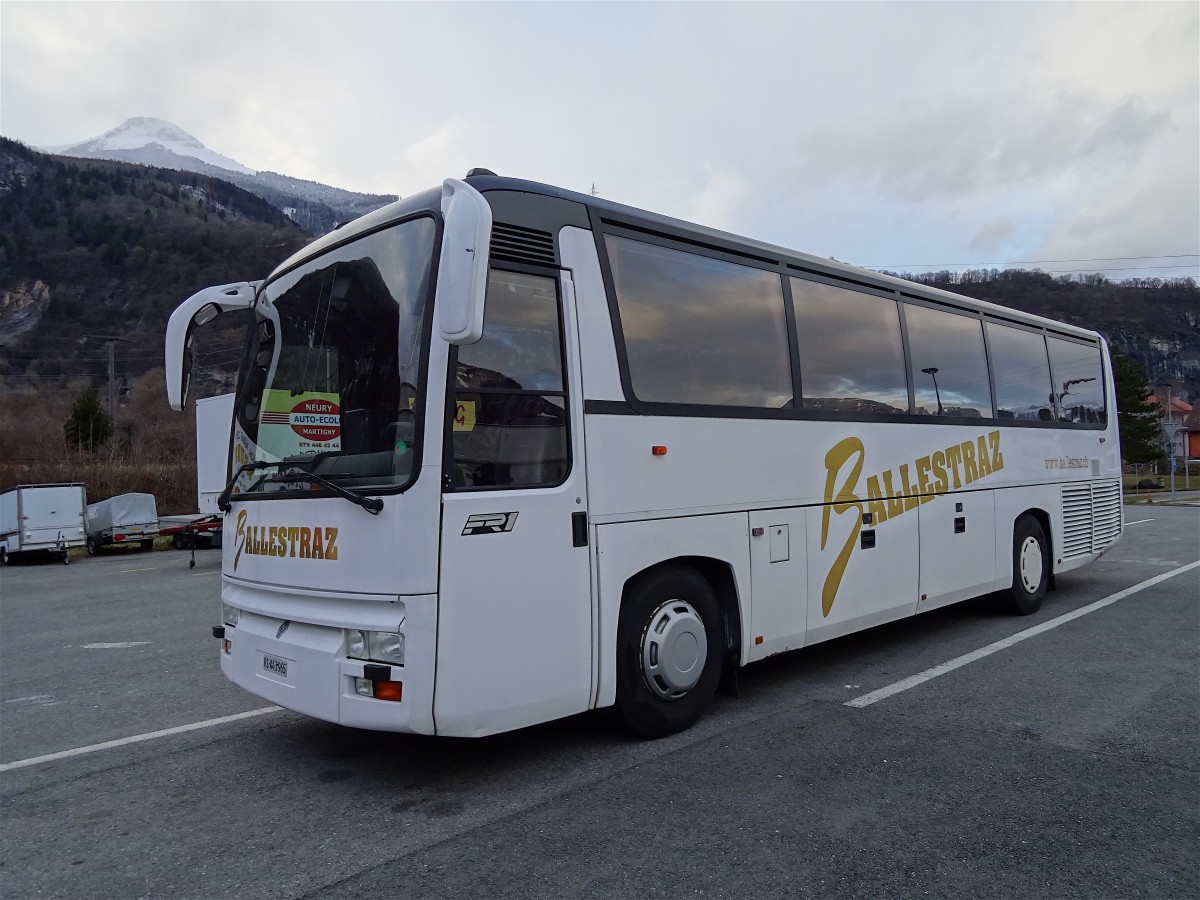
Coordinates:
[276,665]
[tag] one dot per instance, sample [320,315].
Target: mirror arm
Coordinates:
[177,345]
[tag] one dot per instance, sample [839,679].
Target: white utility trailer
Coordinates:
[45,518]
[214,418]
[123,519]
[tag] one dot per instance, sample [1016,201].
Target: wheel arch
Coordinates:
[720,577]
[1042,517]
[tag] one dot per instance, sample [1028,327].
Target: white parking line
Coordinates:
[136,739]
[1139,522]
[921,677]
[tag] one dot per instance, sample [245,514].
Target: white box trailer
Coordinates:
[45,518]
[214,423]
[123,519]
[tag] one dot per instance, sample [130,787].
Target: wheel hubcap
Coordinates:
[1030,559]
[674,649]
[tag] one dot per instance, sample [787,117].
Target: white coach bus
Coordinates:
[503,453]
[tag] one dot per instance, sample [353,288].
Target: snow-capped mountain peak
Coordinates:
[153,139]
[316,208]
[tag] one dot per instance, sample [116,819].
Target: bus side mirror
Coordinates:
[463,268]
[198,309]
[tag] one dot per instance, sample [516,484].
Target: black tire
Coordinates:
[147,545]
[668,619]
[1031,567]
[92,547]
[3,556]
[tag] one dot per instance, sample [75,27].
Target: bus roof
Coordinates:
[699,233]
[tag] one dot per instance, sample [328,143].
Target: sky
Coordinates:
[905,136]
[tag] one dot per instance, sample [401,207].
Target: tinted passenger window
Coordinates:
[1078,381]
[949,364]
[510,420]
[851,352]
[700,330]
[1022,374]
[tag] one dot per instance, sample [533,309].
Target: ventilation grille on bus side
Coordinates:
[517,244]
[1091,517]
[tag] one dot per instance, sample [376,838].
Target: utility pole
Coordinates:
[1171,435]
[112,383]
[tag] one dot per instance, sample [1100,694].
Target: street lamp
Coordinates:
[932,373]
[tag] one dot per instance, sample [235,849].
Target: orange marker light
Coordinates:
[659,450]
[389,690]
[759,639]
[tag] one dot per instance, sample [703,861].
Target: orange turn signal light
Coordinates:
[389,690]
[659,450]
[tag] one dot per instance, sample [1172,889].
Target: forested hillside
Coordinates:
[1153,321]
[92,251]
[97,254]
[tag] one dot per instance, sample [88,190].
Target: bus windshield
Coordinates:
[332,377]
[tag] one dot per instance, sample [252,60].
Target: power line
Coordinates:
[1051,262]
[1033,262]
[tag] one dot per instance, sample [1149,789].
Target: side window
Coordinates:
[1022,374]
[1078,381]
[949,364]
[700,330]
[851,351]
[510,421]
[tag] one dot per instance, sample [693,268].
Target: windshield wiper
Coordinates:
[373,505]
[223,499]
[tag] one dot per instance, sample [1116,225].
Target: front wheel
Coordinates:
[669,652]
[1031,566]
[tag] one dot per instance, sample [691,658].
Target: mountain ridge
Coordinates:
[317,208]
[93,248]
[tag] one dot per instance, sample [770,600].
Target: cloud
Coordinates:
[719,200]
[970,144]
[993,236]
[436,156]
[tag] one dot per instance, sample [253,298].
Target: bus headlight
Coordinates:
[230,614]
[387,647]
[381,646]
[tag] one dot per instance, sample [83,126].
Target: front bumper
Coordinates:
[289,648]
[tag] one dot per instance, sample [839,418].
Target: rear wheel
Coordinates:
[668,652]
[3,556]
[1031,566]
[93,547]
[147,545]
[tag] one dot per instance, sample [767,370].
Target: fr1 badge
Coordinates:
[489,523]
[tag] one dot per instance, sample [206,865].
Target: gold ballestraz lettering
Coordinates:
[284,541]
[892,493]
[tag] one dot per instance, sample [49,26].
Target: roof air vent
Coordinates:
[518,244]
[475,172]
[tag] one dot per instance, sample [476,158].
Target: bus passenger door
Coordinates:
[515,599]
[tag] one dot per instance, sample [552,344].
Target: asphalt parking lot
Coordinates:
[902,762]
